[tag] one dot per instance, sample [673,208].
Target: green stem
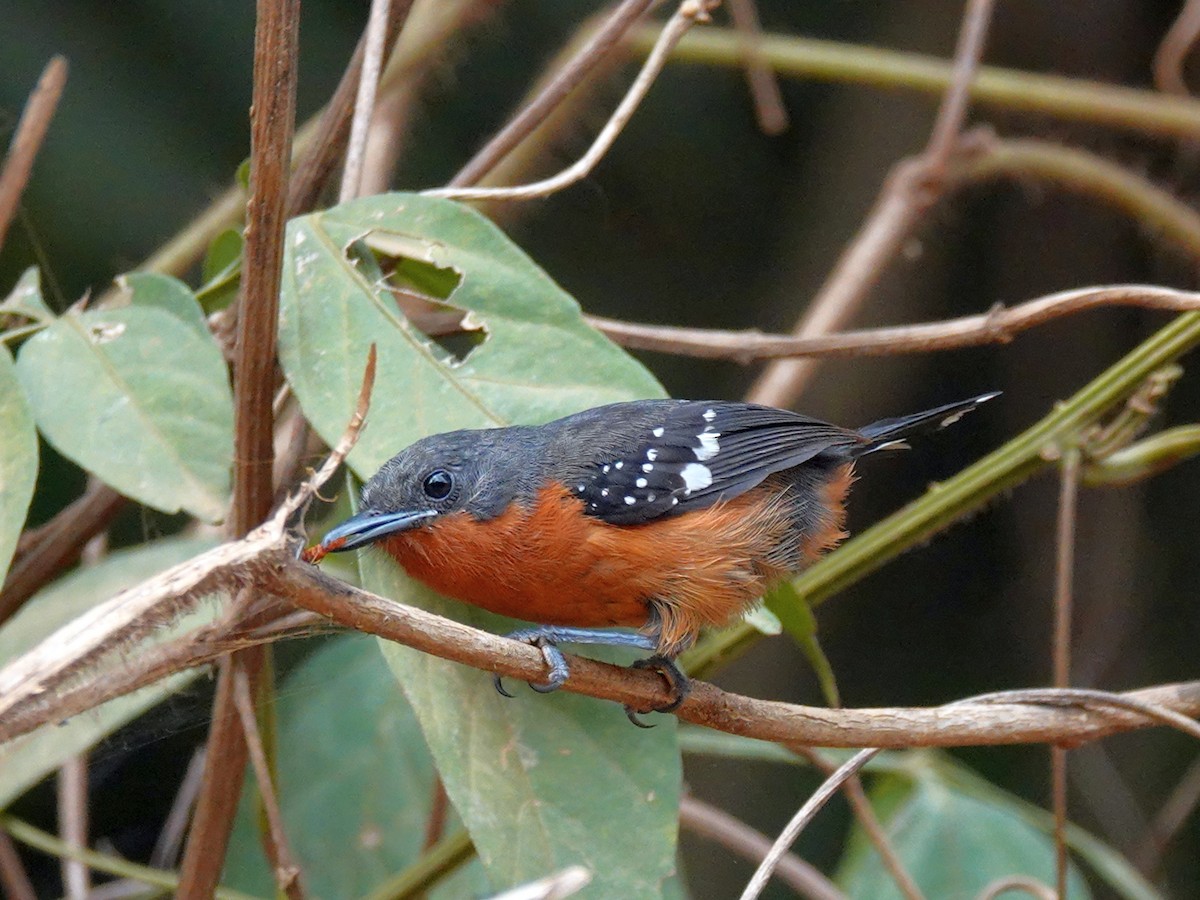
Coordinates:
[48,843]
[1064,98]
[971,488]
[441,859]
[1144,459]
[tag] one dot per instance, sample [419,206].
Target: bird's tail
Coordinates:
[888,434]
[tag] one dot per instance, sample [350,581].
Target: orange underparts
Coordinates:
[549,563]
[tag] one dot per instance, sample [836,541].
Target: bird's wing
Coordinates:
[672,458]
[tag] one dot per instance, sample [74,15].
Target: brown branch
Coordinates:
[13,877]
[283,865]
[708,821]
[688,13]
[909,191]
[567,79]
[952,114]
[73,824]
[860,805]
[1064,581]
[27,140]
[1174,49]
[769,110]
[375,40]
[33,693]
[997,326]
[801,819]
[45,551]
[320,159]
[272,122]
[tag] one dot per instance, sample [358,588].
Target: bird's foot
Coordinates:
[678,683]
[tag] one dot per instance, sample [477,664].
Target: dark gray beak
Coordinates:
[369,526]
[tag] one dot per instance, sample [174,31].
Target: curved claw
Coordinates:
[678,683]
[498,683]
[556,662]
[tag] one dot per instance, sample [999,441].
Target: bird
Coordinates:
[661,516]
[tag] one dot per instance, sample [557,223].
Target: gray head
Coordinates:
[480,472]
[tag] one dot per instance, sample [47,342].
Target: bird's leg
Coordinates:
[547,638]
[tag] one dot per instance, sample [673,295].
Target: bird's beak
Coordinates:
[369,526]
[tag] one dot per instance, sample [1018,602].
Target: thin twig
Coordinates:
[13,877]
[439,810]
[952,114]
[73,823]
[1031,886]
[860,805]
[909,190]
[769,110]
[565,81]
[47,550]
[1174,49]
[689,13]
[732,833]
[271,129]
[364,104]
[283,864]
[1064,580]
[998,325]
[332,130]
[170,836]
[1171,816]
[800,820]
[27,140]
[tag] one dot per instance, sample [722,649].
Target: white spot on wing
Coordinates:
[641,482]
[652,454]
[647,467]
[695,477]
[604,492]
[629,501]
[952,418]
[620,465]
[709,446]
[650,497]
[658,432]
[709,415]
[605,469]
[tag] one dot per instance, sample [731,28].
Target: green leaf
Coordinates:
[155,291]
[798,621]
[351,762]
[1107,864]
[540,781]
[952,843]
[140,399]
[538,361]
[26,760]
[221,271]
[544,781]
[18,460]
[25,299]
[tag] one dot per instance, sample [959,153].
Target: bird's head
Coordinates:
[460,471]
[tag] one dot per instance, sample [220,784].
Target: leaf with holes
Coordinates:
[18,460]
[502,342]
[138,397]
[471,333]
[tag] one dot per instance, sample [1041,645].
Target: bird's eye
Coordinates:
[438,484]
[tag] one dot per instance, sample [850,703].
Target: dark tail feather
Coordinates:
[890,433]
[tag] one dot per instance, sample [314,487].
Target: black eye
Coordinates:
[438,484]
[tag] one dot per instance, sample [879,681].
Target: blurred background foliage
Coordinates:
[697,218]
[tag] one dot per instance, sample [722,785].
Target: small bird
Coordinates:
[664,516]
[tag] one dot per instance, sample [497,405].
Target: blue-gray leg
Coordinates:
[547,637]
